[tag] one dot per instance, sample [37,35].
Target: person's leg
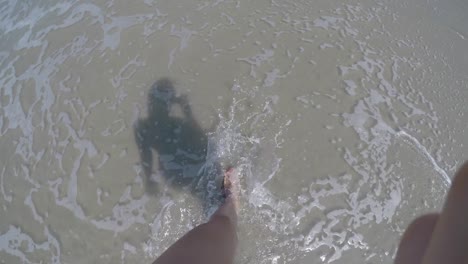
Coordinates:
[213,242]
[440,238]
[450,236]
[416,239]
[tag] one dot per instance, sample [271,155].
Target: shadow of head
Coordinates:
[171,136]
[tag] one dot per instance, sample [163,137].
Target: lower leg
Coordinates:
[416,240]
[213,242]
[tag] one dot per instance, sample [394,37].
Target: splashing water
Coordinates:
[344,120]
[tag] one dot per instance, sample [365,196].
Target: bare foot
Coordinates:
[231,187]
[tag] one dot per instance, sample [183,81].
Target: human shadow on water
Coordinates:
[181,146]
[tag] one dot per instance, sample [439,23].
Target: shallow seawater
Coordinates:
[346,120]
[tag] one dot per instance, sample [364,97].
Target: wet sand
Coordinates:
[345,120]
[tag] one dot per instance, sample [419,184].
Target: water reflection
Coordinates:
[171,132]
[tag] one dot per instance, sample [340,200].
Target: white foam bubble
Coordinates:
[350,87]
[7,197]
[126,213]
[258,60]
[14,240]
[271,77]
[328,22]
[424,152]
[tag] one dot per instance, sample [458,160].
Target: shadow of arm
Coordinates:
[187,110]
